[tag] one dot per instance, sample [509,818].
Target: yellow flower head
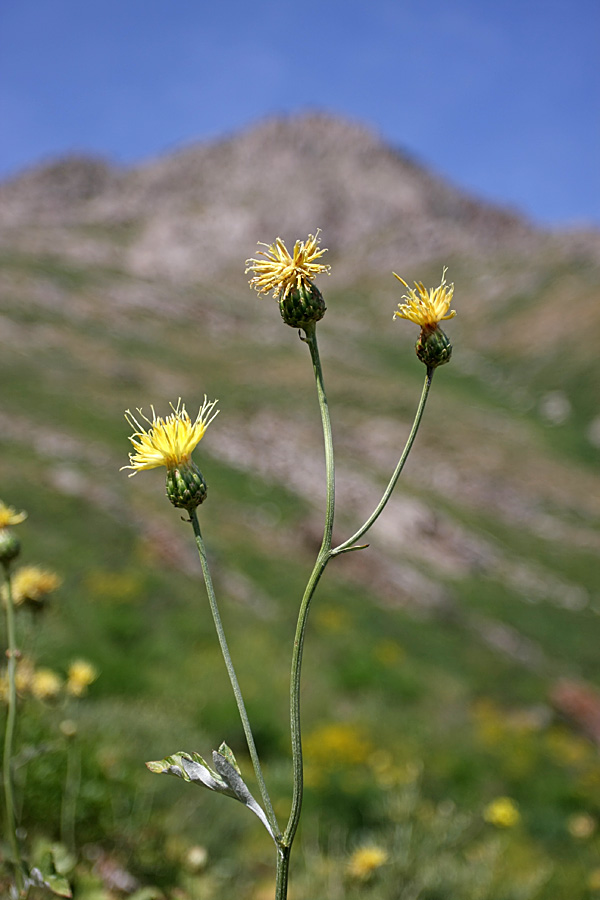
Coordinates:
[281,272]
[426,308]
[81,675]
[46,684]
[24,675]
[365,861]
[167,442]
[32,585]
[502,812]
[9,516]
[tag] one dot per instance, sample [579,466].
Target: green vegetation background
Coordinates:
[415,718]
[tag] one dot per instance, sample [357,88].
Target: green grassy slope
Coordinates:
[436,652]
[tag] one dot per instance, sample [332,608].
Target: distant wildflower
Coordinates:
[24,675]
[365,861]
[502,812]
[31,586]
[169,442]
[9,516]
[290,277]
[81,675]
[281,272]
[68,727]
[427,308]
[46,684]
[581,825]
[196,858]
[338,745]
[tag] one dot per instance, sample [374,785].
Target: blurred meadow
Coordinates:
[451,694]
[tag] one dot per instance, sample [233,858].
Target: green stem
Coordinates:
[322,559]
[347,545]
[9,800]
[71,792]
[233,677]
[283,869]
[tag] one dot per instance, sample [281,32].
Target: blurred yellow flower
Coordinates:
[282,272]
[32,585]
[9,516]
[365,861]
[337,745]
[46,684]
[24,675]
[502,812]
[81,675]
[424,307]
[170,441]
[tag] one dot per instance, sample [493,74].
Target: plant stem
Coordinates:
[70,794]
[233,677]
[322,559]
[283,868]
[325,554]
[11,653]
[347,545]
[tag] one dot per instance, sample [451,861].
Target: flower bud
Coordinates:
[10,546]
[433,347]
[302,305]
[186,487]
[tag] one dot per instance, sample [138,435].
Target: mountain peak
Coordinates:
[200,208]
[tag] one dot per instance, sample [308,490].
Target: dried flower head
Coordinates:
[424,307]
[9,516]
[365,861]
[31,585]
[282,272]
[81,675]
[170,441]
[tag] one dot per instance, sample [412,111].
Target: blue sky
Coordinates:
[501,97]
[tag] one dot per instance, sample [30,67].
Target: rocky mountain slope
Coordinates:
[192,214]
[125,288]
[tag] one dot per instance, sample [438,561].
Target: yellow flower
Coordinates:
[46,684]
[337,745]
[426,307]
[31,585]
[281,272]
[24,675]
[167,442]
[9,516]
[81,675]
[365,861]
[502,812]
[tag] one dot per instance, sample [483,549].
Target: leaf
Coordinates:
[225,778]
[231,776]
[55,883]
[227,752]
[64,861]
[190,767]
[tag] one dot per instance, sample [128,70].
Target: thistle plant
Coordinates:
[170,441]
